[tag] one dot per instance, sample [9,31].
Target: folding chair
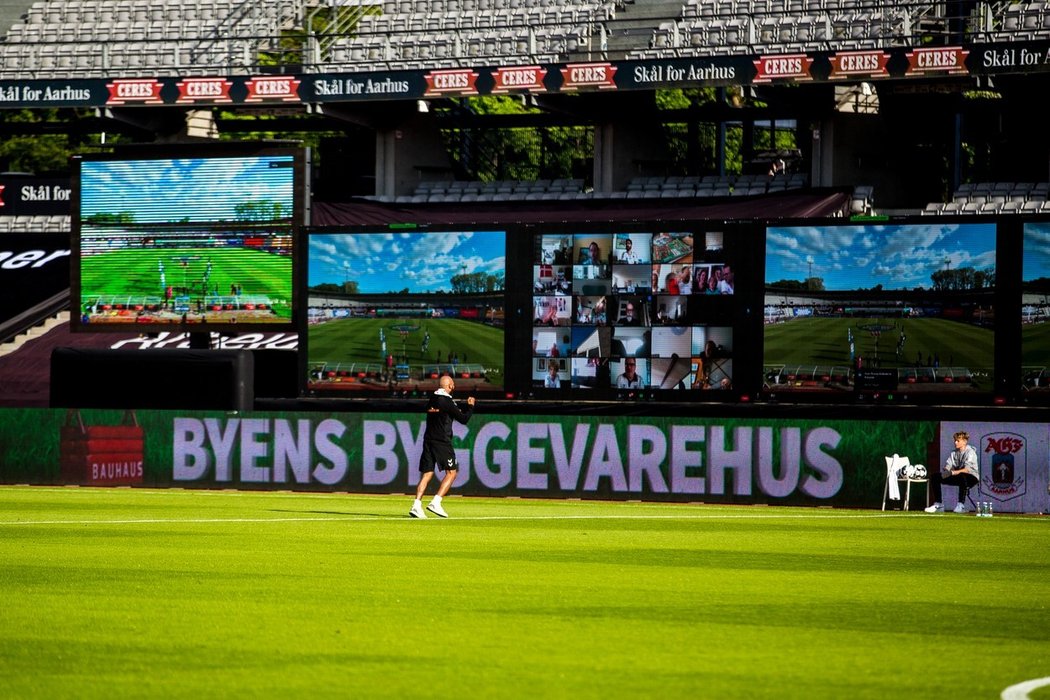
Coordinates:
[893,471]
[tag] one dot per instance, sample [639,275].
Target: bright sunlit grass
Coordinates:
[136,592]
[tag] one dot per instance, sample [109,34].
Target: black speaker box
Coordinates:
[162,379]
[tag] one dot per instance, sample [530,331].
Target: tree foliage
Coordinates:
[963,278]
[477,282]
[122,217]
[260,210]
[519,153]
[810,284]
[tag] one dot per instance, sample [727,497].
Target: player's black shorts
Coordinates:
[438,454]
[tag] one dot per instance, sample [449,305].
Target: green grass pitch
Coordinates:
[357,340]
[1035,344]
[129,593]
[135,272]
[823,341]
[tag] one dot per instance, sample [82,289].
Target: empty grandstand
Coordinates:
[189,37]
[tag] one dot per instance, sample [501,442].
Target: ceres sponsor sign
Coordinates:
[451,82]
[945,59]
[273,89]
[519,78]
[146,92]
[577,76]
[870,64]
[787,67]
[204,90]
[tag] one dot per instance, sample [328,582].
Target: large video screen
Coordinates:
[393,311]
[196,237]
[907,308]
[640,311]
[1035,309]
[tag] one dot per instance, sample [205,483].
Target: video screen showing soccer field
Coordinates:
[393,312]
[915,299]
[190,277]
[1035,308]
[194,241]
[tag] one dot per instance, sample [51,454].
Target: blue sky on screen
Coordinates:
[200,189]
[1036,254]
[898,256]
[390,262]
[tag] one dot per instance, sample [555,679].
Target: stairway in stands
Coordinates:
[10,12]
[633,27]
[42,328]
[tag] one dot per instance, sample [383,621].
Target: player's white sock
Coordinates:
[417,503]
[437,500]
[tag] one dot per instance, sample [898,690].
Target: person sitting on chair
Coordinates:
[960,470]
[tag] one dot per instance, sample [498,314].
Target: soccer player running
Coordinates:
[437,446]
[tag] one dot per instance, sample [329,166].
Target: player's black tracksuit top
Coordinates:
[441,411]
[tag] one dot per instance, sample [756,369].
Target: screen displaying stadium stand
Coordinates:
[1035,309]
[634,310]
[198,237]
[905,309]
[393,311]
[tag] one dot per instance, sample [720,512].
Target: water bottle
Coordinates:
[988,505]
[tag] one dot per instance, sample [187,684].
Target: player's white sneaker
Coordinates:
[960,508]
[935,508]
[437,510]
[417,511]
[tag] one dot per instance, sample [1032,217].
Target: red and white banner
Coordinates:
[848,64]
[943,59]
[513,78]
[588,75]
[451,82]
[284,88]
[786,67]
[204,90]
[146,92]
